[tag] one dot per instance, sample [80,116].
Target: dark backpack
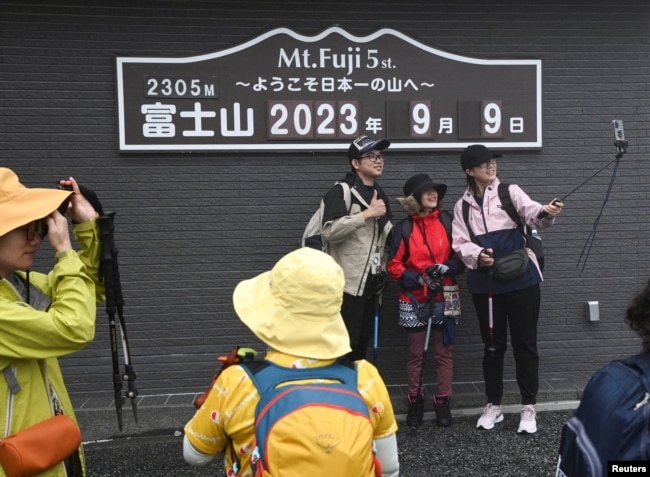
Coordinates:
[627,434]
[533,240]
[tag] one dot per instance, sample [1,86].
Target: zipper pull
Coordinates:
[643,402]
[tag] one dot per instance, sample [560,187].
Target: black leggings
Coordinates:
[519,311]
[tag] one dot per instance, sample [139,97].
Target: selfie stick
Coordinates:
[621,148]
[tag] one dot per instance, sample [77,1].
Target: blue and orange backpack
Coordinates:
[311,422]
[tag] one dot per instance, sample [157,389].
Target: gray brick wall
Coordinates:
[190,226]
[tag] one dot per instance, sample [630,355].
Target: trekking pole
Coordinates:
[431,281]
[110,275]
[109,272]
[375,346]
[424,355]
[378,289]
[491,348]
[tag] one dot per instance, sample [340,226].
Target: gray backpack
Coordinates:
[312,235]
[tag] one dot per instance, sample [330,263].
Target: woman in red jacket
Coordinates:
[424,264]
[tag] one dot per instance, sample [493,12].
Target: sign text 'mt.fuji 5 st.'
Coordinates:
[282,91]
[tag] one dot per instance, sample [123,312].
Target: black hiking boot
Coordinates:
[416,411]
[443,411]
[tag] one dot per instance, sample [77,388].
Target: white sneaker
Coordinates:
[527,424]
[491,415]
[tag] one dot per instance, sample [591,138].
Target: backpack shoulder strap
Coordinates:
[252,368]
[407,228]
[317,218]
[472,237]
[506,203]
[446,219]
[347,195]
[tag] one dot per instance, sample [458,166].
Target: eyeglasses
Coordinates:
[484,165]
[374,158]
[35,227]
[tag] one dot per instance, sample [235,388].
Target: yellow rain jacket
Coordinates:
[32,340]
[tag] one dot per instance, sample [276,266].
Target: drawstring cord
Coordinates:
[27,286]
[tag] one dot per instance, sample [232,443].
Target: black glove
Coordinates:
[434,284]
[379,283]
[438,270]
[435,272]
[410,280]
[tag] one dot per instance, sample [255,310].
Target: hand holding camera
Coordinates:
[380,283]
[432,277]
[80,208]
[438,270]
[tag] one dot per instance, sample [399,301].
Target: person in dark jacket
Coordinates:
[423,263]
[490,234]
[610,426]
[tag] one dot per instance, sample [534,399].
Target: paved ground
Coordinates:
[153,446]
[458,451]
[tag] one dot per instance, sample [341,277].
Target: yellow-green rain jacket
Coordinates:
[31,341]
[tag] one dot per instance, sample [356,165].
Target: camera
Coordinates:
[619,134]
[63,208]
[433,273]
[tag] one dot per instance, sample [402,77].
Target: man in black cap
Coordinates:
[356,237]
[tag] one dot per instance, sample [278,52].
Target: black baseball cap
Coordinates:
[363,144]
[475,155]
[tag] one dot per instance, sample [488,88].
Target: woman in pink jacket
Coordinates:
[486,235]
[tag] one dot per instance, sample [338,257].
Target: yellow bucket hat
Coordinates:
[296,307]
[20,205]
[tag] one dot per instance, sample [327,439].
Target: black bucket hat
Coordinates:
[419,183]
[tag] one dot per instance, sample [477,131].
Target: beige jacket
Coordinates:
[354,242]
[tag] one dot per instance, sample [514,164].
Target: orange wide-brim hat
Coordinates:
[20,205]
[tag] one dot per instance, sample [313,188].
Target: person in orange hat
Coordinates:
[295,309]
[44,316]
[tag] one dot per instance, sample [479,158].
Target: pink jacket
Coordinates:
[494,229]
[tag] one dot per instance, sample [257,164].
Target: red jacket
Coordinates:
[428,245]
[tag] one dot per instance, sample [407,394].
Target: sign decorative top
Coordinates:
[282,91]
